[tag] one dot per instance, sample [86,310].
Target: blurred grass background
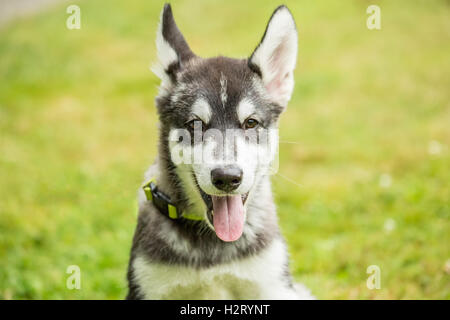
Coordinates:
[364,159]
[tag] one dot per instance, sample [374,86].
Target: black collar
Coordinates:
[164,204]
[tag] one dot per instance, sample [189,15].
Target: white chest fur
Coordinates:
[257,277]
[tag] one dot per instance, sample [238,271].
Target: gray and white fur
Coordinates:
[185,259]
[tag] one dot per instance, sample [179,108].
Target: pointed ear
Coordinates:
[275,57]
[172,49]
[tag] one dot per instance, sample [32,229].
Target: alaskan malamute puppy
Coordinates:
[207,226]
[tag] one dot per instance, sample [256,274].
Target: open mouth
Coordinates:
[226,214]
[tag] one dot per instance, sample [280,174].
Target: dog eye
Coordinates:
[250,123]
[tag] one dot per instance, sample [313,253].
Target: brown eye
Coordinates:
[250,123]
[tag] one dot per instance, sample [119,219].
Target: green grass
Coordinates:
[78,128]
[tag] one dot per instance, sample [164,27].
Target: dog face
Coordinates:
[219,116]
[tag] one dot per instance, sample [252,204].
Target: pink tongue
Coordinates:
[228,217]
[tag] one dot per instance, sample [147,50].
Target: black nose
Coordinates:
[226,178]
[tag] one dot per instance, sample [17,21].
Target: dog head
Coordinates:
[219,116]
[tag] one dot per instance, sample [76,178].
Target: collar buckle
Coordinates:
[161,201]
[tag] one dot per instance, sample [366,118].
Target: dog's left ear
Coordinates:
[173,50]
[275,57]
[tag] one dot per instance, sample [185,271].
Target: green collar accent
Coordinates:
[163,203]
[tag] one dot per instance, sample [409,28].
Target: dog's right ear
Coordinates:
[275,57]
[172,49]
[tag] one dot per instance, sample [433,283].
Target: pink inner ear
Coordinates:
[278,84]
[275,85]
[280,90]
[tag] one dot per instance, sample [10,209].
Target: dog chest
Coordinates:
[250,278]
